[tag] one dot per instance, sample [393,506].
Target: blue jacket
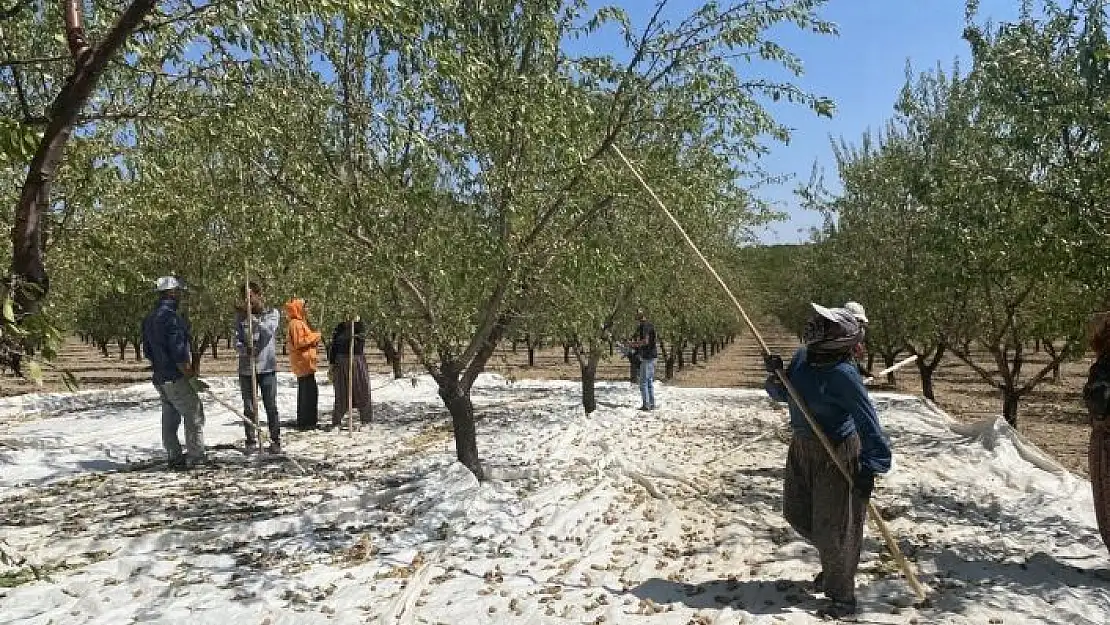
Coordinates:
[840,405]
[166,341]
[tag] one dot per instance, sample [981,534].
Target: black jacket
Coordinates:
[649,350]
[341,340]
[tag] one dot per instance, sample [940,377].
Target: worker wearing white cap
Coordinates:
[857,311]
[166,344]
[860,351]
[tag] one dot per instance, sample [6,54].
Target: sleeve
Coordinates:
[298,334]
[177,339]
[240,334]
[148,348]
[774,386]
[776,389]
[875,454]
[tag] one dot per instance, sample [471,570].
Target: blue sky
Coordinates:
[862,70]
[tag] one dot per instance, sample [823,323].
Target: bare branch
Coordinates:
[78,42]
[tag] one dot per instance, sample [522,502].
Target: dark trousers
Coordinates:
[819,505]
[308,400]
[267,386]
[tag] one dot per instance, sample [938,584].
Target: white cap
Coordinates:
[169,283]
[857,311]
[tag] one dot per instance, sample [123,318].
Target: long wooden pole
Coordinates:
[876,519]
[250,349]
[351,379]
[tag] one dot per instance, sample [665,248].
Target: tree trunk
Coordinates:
[566,353]
[122,344]
[888,362]
[216,349]
[705,350]
[694,355]
[1010,399]
[926,369]
[713,348]
[392,355]
[1050,347]
[137,347]
[462,419]
[870,360]
[197,349]
[589,378]
[28,235]
[398,373]
[531,354]
[679,349]
[669,366]
[103,345]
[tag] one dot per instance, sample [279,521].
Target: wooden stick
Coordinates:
[250,349]
[258,430]
[351,379]
[891,369]
[876,519]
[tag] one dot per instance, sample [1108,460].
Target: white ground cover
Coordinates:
[670,517]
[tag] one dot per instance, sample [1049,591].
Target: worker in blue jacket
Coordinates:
[166,345]
[818,501]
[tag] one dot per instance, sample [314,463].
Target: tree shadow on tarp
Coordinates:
[752,596]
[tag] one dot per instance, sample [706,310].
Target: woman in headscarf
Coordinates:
[818,501]
[1096,395]
[303,343]
[347,377]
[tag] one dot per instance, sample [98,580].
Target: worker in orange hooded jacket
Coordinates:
[303,343]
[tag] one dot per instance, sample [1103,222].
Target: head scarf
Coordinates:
[832,330]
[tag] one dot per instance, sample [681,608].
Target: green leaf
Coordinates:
[8,312]
[34,372]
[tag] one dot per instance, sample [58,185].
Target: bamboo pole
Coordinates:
[351,379]
[258,430]
[250,350]
[876,519]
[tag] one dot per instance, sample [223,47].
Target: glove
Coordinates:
[198,384]
[772,362]
[864,483]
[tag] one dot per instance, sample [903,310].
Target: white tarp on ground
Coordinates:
[670,517]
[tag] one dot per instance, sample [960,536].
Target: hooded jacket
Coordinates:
[302,339]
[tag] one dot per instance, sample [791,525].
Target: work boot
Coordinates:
[251,448]
[275,448]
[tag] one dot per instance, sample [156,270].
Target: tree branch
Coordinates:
[79,47]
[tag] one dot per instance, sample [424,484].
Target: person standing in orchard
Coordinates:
[647,351]
[264,327]
[1096,396]
[166,345]
[347,370]
[860,352]
[304,343]
[818,501]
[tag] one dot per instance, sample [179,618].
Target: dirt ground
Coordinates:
[1052,416]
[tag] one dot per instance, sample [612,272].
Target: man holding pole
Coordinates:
[818,502]
[166,345]
[258,329]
